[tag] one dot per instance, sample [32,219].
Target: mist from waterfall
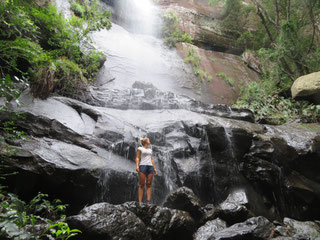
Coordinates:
[138,16]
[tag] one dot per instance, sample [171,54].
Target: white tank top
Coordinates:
[145,156]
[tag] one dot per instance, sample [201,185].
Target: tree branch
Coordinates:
[288,9]
[266,15]
[277,12]
[311,15]
[263,21]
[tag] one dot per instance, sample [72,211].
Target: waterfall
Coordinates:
[138,16]
[136,53]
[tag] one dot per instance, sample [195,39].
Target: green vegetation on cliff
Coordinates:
[40,48]
[39,45]
[195,60]
[285,36]
[171,33]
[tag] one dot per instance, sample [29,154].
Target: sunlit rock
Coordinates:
[307,87]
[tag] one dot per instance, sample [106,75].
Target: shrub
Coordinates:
[16,214]
[195,60]
[171,33]
[224,76]
[77,9]
[267,105]
[45,47]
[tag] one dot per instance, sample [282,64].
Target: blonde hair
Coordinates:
[144,140]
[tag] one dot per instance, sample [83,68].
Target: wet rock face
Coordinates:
[85,153]
[271,165]
[200,22]
[218,64]
[144,96]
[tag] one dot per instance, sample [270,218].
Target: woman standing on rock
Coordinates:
[145,167]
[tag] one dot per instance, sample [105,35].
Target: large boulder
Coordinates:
[293,229]
[171,224]
[106,221]
[132,220]
[211,227]
[184,199]
[307,87]
[253,228]
[302,230]
[232,210]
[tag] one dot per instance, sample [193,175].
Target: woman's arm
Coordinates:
[154,167]
[137,160]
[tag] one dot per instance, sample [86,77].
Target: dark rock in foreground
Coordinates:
[184,199]
[107,221]
[232,210]
[132,220]
[211,227]
[301,230]
[253,228]
[162,222]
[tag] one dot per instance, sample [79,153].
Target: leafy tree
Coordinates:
[287,40]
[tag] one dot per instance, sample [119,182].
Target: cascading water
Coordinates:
[137,16]
[135,53]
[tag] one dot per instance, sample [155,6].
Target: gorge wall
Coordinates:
[84,152]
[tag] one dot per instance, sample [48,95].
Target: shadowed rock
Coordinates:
[184,199]
[106,221]
[132,220]
[232,210]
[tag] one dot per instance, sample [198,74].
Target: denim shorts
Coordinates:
[146,169]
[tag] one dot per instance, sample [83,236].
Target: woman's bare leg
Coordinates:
[142,182]
[149,182]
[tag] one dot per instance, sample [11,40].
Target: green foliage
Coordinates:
[62,231]
[194,59]
[266,104]
[285,36]
[224,76]
[234,14]
[44,47]
[171,33]
[77,9]
[18,218]
[8,129]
